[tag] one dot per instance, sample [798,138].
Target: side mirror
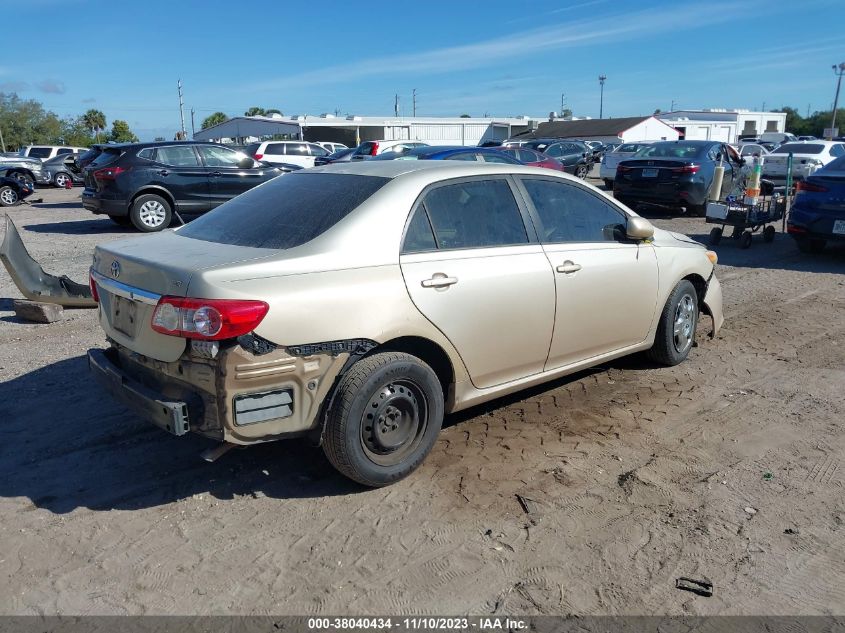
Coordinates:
[247,163]
[639,228]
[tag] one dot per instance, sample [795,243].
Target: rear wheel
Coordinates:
[150,213]
[581,171]
[385,417]
[8,196]
[676,328]
[62,180]
[810,245]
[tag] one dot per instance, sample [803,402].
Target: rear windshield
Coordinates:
[89,154]
[286,212]
[671,150]
[799,148]
[106,157]
[836,165]
[39,152]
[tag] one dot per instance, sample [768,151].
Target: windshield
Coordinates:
[671,150]
[799,148]
[285,212]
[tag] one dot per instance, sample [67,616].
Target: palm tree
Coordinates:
[95,121]
[214,119]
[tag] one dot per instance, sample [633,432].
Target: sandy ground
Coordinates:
[590,495]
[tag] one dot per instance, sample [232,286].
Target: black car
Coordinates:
[576,156]
[340,156]
[145,183]
[676,174]
[13,190]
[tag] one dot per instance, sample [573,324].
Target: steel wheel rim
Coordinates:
[581,172]
[394,422]
[683,330]
[61,180]
[152,213]
[8,196]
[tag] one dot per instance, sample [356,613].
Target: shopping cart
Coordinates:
[746,219]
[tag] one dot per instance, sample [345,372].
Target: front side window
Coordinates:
[475,214]
[296,149]
[220,156]
[569,213]
[177,156]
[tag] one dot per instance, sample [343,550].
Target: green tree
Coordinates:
[255,111]
[24,121]
[214,119]
[465,116]
[273,111]
[120,132]
[76,132]
[96,122]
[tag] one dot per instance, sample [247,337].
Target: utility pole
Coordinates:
[841,70]
[602,79]
[181,109]
[562,104]
[808,110]
[193,129]
[672,107]
[764,107]
[414,100]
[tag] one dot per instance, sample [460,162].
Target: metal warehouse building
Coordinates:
[351,130]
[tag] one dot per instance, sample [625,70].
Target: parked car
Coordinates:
[144,183]
[777,137]
[330,147]
[597,148]
[27,170]
[806,158]
[749,151]
[61,170]
[676,174]
[817,215]
[283,153]
[13,190]
[807,138]
[340,156]
[87,157]
[576,156]
[228,327]
[45,152]
[607,168]
[368,149]
[454,152]
[532,158]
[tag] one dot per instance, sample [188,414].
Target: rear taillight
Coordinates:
[209,319]
[374,149]
[803,185]
[94,293]
[258,156]
[623,168]
[109,173]
[686,169]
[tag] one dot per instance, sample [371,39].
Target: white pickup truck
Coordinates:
[807,157]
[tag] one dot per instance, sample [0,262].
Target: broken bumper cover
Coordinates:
[171,415]
[713,304]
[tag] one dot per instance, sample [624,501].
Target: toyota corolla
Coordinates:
[357,304]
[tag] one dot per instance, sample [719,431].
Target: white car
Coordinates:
[299,153]
[330,147]
[46,152]
[368,149]
[749,150]
[806,158]
[610,160]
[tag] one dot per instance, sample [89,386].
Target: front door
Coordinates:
[606,284]
[473,269]
[226,177]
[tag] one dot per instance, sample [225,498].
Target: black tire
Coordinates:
[769,234]
[810,245]
[61,179]
[682,309]
[697,210]
[745,239]
[23,179]
[608,184]
[715,235]
[122,220]
[150,213]
[581,171]
[376,392]
[9,196]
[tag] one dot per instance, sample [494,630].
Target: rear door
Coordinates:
[606,285]
[478,274]
[226,177]
[177,169]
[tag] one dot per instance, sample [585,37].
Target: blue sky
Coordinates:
[497,57]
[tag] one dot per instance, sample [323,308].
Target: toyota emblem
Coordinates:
[115,269]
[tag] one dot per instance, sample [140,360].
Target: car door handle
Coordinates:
[215,173]
[439,280]
[163,172]
[568,267]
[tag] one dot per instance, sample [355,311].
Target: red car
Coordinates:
[532,158]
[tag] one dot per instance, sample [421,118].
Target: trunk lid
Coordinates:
[647,171]
[132,274]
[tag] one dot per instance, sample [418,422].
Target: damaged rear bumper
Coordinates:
[713,304]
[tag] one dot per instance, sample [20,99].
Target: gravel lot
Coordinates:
[589,495]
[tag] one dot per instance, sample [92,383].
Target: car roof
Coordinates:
[432,169]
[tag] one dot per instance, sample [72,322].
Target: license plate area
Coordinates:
[839,227]
[649,173]
[124,315]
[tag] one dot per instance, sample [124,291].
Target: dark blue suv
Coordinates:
[818,211]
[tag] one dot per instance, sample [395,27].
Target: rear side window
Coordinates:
[148,153]
[475,214]
[39,152]
[274,149]
[571,214]
[177,156]
[364,149]
[64,150]
[286,212]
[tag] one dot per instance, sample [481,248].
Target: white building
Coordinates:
[723,125]
[351,130]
